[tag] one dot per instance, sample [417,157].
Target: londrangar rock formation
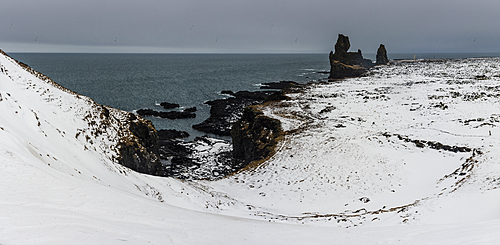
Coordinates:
[351,64]
[348,58]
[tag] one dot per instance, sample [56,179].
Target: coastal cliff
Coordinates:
[255,136]
[119,136]
[139,149]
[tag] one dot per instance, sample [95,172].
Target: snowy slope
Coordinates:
[343,166]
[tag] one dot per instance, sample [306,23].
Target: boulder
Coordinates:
[382,56]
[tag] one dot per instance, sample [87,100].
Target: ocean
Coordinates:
[138,81]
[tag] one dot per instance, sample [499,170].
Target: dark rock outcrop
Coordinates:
[187,161]
[225,112]
[340,70]
[348,58]
[280,85]
[351,64]
[188,113]
[192,109]
[382,56]
[171,147]
[255,136]
[139,150]
[168,105]
[171,134]
[342,45]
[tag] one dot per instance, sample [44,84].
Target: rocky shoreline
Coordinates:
[254,135]
[210,158]
[202,158]
[225,112]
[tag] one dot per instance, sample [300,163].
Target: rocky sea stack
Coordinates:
[382,56]
[351,64]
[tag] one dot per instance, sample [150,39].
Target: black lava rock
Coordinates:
[168,105]
[192,109]
[168,114]
[185,162]
[165,134]
[225,112]
[279,85]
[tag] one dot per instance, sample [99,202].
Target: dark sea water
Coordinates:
[137,81]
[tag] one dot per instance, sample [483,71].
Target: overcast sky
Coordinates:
[236,26]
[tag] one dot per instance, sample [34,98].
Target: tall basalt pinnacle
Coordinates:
[348,58]
[346,64]
[351,64]
[382,56]
[343,44]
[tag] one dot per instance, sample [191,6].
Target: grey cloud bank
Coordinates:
[229,26]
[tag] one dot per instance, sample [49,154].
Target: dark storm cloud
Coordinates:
[249,26]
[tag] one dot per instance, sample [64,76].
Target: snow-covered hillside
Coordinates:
[407,155]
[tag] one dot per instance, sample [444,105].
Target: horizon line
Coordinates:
[84,52]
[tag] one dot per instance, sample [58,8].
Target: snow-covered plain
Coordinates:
[406,155]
